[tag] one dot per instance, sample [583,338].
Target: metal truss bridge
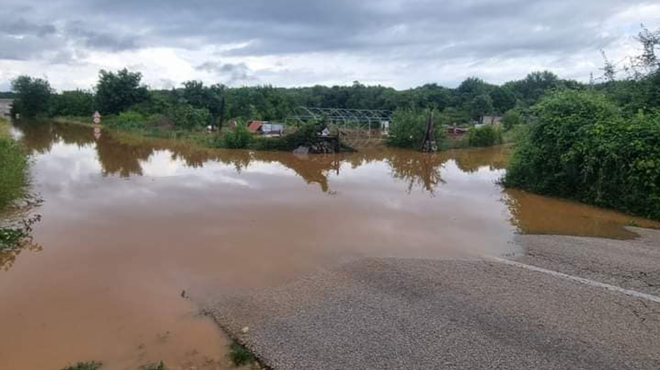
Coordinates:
[354,126]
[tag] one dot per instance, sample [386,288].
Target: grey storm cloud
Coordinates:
[405,31]
[231,72]
[299,26]
[102,39]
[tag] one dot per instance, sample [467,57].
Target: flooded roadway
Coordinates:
[129,224]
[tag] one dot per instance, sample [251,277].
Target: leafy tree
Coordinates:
[119,91]
[503,99]
[72,103]
[472,87]
[33,96]
[481,105]
[534,86]
[408,127]
[512,118]
[187,117]
[203,97]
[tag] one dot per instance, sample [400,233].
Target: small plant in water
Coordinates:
[14,236]
[240,356]
[90,365]
[154,366]
[632,223]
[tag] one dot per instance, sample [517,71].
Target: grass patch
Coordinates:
[13,168]
[90,365]
[240,355]
[154,366]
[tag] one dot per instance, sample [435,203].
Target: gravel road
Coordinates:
[630,264]
[428,314]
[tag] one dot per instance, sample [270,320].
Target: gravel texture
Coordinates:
[629,264]
[425,314]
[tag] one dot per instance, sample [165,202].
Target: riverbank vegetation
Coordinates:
[13,168]
[599,146]
[187,111]
[89,365]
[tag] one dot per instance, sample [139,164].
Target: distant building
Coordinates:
[5,106]
[266,128]
[385,127]
[491,120]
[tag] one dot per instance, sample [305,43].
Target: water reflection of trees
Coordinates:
[121,159]
[471,160]
[418,169]
[536,214]
[39,137]
[123,155]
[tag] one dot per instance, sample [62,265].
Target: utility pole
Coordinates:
[429,145]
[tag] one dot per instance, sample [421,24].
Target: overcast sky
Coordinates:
[399,43]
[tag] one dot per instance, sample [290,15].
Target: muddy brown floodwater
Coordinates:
[129,224]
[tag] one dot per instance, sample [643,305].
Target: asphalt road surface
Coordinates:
[551,309]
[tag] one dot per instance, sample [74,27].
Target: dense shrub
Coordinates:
[76,103]
[119,91]
[186,117]
[130,120]
[512,118]
[581,147]
[90,365]
[408,128]
[33,96]
[13,168]
[239,138]
[488,135]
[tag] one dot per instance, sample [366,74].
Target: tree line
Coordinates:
[195,105]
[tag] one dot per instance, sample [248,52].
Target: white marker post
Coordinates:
[96,117]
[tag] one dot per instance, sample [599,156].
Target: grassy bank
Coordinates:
[13,168]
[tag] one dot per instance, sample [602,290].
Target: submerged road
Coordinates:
[569,303]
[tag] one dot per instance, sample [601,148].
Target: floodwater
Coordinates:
[130,224]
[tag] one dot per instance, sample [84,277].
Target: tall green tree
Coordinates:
[534,86]
[33,96]
[72,103]
[482,105]
[503,98]
[119,91]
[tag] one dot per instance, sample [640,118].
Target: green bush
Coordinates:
[515,134]
[76,103]
[130,120]
[488,135]
[239,138]
[91,365]
[186,117]
[581,147]
[512,118]
[408,128]
[33,96]
[240,356]
[13,169]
